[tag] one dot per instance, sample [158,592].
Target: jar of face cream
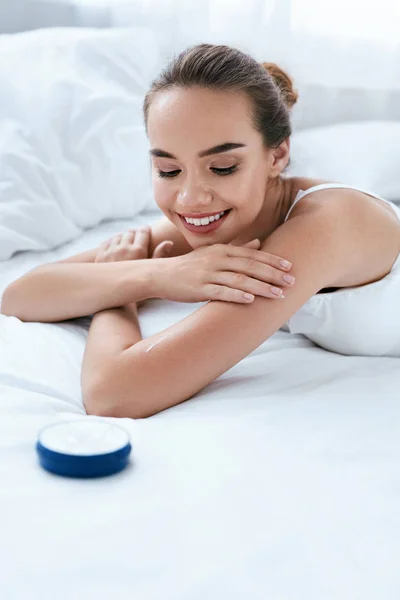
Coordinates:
[87,447]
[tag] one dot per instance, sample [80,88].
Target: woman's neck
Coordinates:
[277,201]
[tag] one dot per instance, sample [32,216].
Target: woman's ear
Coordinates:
[280,158]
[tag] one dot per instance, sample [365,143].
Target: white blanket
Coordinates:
[278,481]
[73,148]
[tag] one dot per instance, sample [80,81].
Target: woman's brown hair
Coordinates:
[220,67]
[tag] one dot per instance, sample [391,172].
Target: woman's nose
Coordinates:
[192,198]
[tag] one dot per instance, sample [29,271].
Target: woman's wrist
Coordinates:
[141,281]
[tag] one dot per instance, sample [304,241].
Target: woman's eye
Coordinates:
[168,173]
[224,171]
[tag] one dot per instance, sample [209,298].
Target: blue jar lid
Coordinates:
[87,447]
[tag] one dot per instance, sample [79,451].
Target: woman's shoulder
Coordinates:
[336,196]
[361,216]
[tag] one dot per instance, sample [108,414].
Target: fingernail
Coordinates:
[285,264]
[289,278]
[276,291]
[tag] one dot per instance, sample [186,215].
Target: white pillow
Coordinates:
[365,154]
[73,149]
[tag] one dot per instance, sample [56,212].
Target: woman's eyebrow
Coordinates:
[214,150]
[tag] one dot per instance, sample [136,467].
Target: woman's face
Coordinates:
[207,159]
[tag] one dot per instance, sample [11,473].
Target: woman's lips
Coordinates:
[204,228]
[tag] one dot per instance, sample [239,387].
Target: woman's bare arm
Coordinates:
[130,377]
[77,286]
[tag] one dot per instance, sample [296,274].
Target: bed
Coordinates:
[278,481]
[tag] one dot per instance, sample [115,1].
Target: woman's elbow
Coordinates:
[6,307]
[100,401]
[14,303]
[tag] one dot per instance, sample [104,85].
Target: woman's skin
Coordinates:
[333,237]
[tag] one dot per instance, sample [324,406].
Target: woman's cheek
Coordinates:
[162,196]
[237,189]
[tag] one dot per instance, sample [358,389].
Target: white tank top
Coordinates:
[325,186]
[362,320]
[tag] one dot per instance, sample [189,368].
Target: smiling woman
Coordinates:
[261,247]
[219,128]
[197,221]
[195,180]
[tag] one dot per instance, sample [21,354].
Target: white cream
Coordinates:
[157,342]
[85,437]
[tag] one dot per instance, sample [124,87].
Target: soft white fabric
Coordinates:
[73,149]
[346,67]
[362,320]
[365,154]
[306,35]
[279,480]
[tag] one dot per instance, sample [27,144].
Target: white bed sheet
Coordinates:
[278,481]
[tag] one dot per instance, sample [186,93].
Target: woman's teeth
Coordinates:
[205,220]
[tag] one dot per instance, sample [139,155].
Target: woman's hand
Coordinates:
[218,272]
[223,272]
[132,244]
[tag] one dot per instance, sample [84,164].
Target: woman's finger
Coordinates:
[142,241]
[246,284]
[163,250]
[245,267]
[227,294]
[128,238]
[106,244]
[253,244]
[259,256]
[115,242]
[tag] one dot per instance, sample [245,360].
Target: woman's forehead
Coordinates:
[196,111]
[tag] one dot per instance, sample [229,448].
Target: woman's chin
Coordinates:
[195,242]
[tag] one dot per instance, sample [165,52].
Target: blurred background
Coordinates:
[73,75]
[333,48]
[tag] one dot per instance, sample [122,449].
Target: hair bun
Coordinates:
[284,83]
